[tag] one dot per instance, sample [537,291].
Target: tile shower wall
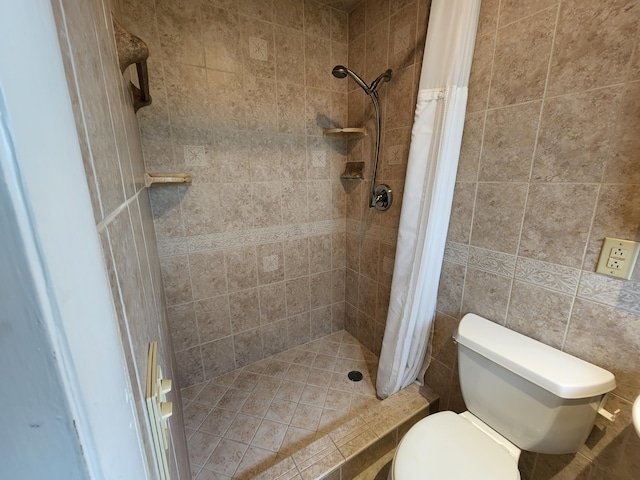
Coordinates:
[549,167]
[111,149]
[253,252]
[382,34]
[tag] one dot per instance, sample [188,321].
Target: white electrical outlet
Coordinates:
[621,253]
[618,257]
[615,264]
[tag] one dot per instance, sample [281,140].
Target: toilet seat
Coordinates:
[448,446]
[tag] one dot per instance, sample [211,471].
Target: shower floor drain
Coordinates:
[355,376]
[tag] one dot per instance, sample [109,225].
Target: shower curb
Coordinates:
[350,448]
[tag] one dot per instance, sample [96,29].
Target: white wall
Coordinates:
[66,403]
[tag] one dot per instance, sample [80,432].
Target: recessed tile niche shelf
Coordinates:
[352,170]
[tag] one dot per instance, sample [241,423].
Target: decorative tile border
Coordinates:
[456,253]
[218,241]
[556,277]
[169,247]
[498,263]
[622,294]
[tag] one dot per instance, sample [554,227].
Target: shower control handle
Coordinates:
[381,198]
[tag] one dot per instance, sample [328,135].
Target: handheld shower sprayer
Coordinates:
[380,197]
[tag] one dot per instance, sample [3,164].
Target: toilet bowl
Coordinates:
[521,395]
[450,446]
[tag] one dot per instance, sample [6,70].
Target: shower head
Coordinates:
[340,71]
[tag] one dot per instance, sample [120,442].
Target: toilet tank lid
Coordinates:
[558,372]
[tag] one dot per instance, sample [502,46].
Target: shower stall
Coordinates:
[269,257]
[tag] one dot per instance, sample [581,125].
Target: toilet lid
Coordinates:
[445,445]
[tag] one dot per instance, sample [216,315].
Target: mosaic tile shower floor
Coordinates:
[241,423]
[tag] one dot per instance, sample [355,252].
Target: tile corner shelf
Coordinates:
[156,179]
[353,171]
[347,133]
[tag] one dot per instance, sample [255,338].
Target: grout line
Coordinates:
[528,16]
[533,161]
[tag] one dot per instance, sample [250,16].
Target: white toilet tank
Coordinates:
[541,399]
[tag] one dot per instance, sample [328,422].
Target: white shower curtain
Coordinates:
[428,193]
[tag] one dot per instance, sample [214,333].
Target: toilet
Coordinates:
[521,395]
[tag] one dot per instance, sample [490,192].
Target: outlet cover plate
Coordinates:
[611,248]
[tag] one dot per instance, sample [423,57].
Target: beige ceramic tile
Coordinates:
[195,414]
[617,214]
[539,313]
[289,13]
[273,341]
[217,422]
[180,33]
[244,310]
[480,77]
[509,141]
[207,274]
[622,165]
[272,302]
[248,347]
[377,12]
[182,325]
[556,222]
[573,143]
[402,35]
[217,357]
[578,63]
[298,330]
[226,457]
[255,460]
[486,295]
[606,337]
[201,445]
[357,19]
[471,145]
[189,365]
[260,108]
[488,21]
[522,59]
[511,10]
[498,216]
[177,285]
[241,268]
[221,37]
[243,428]
[269,435]
[226,98]
[461,214]
[317,19]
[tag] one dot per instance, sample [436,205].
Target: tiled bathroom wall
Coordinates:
[112,154]
[550,165]
[253,252]
[382,34]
